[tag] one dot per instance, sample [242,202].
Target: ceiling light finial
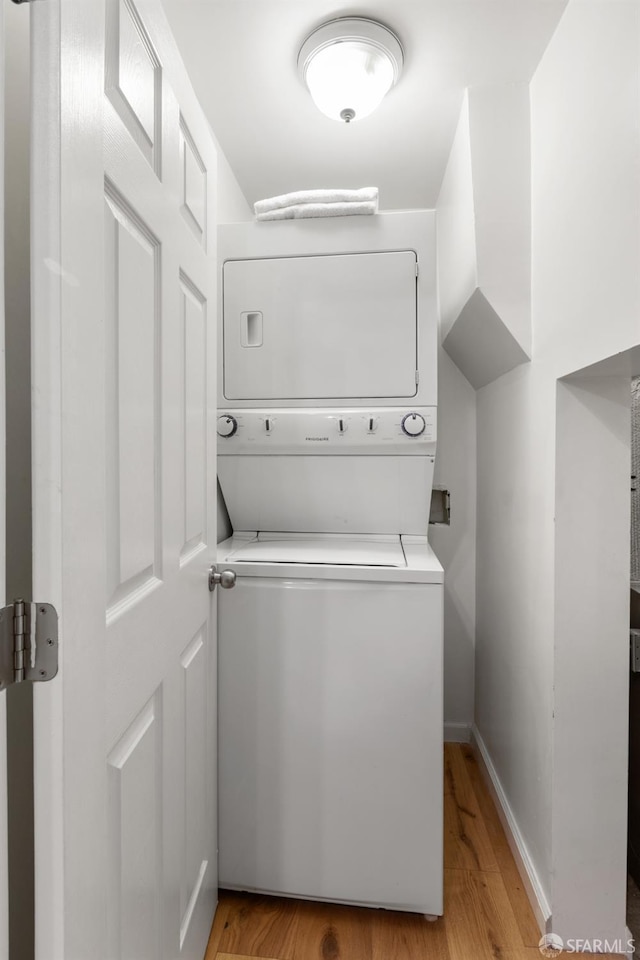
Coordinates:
[349,65]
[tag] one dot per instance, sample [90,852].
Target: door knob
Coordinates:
[226,579]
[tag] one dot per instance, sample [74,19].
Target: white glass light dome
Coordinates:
[349,65]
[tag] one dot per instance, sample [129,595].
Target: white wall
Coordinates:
[484,235]
[586,96]
[483,217]
[456,457]
[232,203]
[455,545]
[558,775]
[457,256]
[591,662]
[232,208]
[499,122]
[484,225]
[514,632]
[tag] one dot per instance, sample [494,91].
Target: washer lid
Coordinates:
[367,552]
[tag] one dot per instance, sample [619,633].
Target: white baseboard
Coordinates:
[457,732]
[526,869]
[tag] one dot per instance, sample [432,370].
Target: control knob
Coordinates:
[413,424]
[227,426]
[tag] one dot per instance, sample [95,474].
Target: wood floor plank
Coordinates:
[529,930]
[478,917]
[258,926]
[533,953]
[328,931]
[466,841]
[218,926]
[407,936]
[236,956]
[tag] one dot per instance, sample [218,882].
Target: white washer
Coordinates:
[330,664]
[330,694]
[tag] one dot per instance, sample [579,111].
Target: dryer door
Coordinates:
[324,327]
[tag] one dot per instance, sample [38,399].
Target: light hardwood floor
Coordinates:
[487,915]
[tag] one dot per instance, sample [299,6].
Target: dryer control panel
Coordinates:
[335,431]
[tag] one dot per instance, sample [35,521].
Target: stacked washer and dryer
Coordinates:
[330,645]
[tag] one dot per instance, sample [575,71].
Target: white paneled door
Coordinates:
[124,477]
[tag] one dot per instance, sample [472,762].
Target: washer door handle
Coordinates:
[226,579]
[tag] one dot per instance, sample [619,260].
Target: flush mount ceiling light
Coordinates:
[349,65]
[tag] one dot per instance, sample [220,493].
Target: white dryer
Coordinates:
[330,645]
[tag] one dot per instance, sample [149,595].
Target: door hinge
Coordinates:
[417,377]
[28,642]
[417,265]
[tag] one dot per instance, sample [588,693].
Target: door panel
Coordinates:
[134,774]
[134,521]
[195,662]
[134,819]
[193,387]
[194,184]
[134,77]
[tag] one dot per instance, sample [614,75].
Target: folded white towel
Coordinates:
[315,196]
[301,211]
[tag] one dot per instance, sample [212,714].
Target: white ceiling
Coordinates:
[241,55]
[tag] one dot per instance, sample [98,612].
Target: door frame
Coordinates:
[47,280]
